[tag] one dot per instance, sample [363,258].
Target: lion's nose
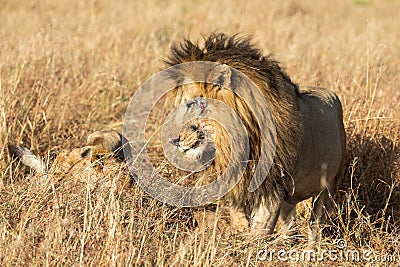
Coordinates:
[174,140]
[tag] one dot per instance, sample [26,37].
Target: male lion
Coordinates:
[310,141]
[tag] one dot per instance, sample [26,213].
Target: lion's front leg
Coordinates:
[238,220]
[264,217]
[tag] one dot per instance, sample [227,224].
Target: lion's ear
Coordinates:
[220,75]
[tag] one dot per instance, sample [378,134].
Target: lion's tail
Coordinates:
[25,156]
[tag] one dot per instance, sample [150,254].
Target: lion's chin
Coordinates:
[196,153]
[205,153]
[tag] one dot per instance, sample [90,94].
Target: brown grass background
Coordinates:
[69,68]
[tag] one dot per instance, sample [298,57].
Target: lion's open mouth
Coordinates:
[176,142]
[195,145]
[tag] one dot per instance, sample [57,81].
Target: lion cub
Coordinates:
[100,145]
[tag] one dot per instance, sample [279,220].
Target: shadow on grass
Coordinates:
[371,183]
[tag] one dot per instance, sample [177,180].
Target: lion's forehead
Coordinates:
[194,90]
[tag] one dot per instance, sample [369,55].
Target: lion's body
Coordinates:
[323,143]
[310,135]
[86,162]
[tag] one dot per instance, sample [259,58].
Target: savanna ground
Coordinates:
[69,68]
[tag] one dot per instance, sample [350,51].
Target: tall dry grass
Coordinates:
[69,68]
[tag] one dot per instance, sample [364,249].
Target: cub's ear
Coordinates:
[221,75]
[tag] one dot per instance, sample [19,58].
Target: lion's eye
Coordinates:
[190,103]
[193,127]
[85,152]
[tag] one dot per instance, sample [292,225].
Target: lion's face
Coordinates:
[203,140]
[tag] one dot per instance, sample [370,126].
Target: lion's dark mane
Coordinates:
[281,94]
